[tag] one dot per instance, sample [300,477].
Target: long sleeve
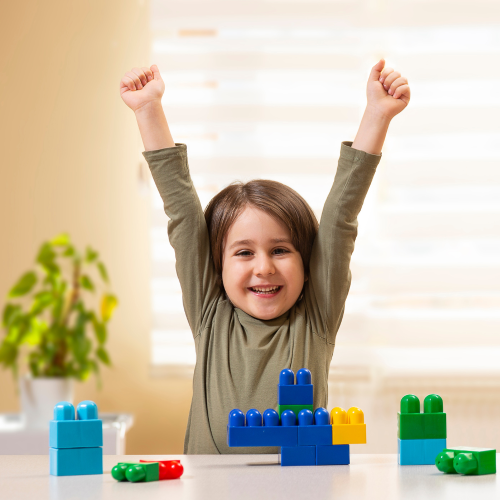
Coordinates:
[187,232]
[330,277]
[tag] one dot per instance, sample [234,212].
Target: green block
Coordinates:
[295,408]
[469,461]
[411,426]
[134,471]
[434,425]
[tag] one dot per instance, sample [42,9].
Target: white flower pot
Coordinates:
[39,396]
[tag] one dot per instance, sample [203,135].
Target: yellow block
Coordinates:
[349,434]
[348,427]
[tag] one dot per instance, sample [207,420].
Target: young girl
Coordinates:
[263,286]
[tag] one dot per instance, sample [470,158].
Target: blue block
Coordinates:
[75,461]
[411,452]
[75,433]
[432,447]
[262,436]
[334,454]
[295,394]
[298,455]
[315,435]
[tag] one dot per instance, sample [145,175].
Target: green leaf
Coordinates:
[90,255]
[11,312]
[46,258]
[8,353]
[34,333]
[108,304]
[26,282]
[103,356]
[41,301]
[100,330]
[103,272]
[60,240]
[86,282]
[69,252]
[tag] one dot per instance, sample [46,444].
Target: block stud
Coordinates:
[287,377]
[254,418]
[410,404]
[64,411]
[465,463]
[135,473]
[433,403]
[271,418]
[321,417]
[118,472]
[86,410]
[355,416]
[304,377]
[236,418]
[288,418]
[305,417]
[338,416]
[444,462]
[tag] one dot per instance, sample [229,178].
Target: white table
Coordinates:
[15,439]
[241,477]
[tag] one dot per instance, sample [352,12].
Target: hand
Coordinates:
[141,86]
[388,92]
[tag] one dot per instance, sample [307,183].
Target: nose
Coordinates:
[264,266]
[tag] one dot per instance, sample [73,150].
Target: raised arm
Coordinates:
[141,90]
[330,277]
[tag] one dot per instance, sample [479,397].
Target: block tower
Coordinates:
[421,436]
[310,438]
[75,445]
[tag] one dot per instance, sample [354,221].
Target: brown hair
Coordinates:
[278,200]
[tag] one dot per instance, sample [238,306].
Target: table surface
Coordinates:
[247,477]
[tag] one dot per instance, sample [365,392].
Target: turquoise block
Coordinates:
[75,433]
[432,448]
[75,461]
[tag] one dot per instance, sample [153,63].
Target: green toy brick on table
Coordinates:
[135,472]
[468,461]
[428,425]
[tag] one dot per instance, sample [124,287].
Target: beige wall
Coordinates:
[70,162]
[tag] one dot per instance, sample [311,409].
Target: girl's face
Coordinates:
[258,254]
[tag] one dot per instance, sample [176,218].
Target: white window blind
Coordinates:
[270,89]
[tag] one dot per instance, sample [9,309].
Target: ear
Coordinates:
[306,278]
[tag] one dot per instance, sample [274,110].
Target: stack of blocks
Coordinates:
[316,440]
[421,436]
[75,445]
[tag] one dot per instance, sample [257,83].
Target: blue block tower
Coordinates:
[75,444]
[305,437]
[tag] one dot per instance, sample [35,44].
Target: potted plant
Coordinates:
[62,338]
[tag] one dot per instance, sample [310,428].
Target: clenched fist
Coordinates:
[141,86]
[388,92]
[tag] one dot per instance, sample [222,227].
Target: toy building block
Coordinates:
[135,472]
[333,454]
[348,427]
[75,461]
[169,469]
[419,451]
[314,430]
[290,393]
[431,448]
[84,432]
[295,408]
[256,434]
[468,461]
[428,425]
[298,455]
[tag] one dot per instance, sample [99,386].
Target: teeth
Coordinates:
[265,289]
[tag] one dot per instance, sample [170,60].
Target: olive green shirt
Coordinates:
[239,357]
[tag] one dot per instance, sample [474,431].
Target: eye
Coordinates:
[284,250]
[244,253]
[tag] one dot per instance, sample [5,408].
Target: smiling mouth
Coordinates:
[265,290]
